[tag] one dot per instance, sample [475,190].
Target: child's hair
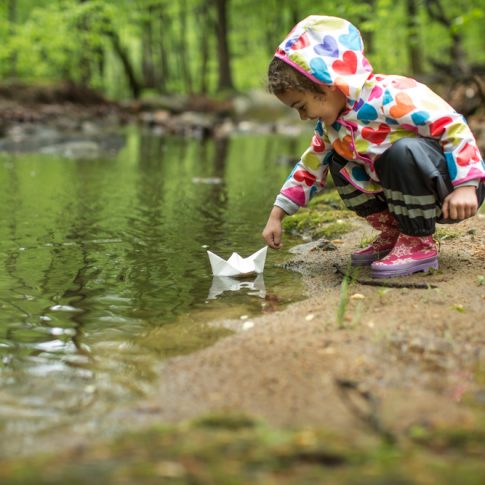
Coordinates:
[281,77]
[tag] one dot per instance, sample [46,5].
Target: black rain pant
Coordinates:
[415,179]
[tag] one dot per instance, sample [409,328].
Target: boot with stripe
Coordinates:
[409,255]
[385,222]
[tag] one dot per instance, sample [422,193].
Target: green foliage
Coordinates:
[173,47]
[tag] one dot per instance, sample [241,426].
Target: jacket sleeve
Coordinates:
[308,176]
[418,109]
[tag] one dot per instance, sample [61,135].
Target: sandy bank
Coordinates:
[399,358]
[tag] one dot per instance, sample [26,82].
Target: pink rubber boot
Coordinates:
[409,255]
[386,223]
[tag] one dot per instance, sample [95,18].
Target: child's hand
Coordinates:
[460,204]
[272,231]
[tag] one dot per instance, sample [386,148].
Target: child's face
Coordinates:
[326,106]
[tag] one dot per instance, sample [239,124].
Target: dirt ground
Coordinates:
[396,360]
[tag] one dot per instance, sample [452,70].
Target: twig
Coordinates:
[346,389]
[389,284]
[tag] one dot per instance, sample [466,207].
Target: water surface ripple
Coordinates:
[104,267]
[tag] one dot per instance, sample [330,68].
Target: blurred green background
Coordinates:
[132,48]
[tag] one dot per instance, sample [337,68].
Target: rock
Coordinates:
[322,244]
[87,150]
[29,138]
[259,105]
[207,180]
[173,104]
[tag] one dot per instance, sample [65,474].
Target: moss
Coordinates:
[469,441]
[366,240]
[333,231]
[226,421]
[306,220]
[322,218]
[330,199]
[442,234]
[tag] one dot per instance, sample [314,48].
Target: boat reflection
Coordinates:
[221,284]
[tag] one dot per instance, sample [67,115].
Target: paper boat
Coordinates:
[221,284]
[238,266]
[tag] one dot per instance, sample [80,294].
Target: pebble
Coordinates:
[248,325]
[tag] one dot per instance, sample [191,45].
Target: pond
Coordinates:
[105,271]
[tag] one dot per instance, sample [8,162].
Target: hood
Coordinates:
[328,50]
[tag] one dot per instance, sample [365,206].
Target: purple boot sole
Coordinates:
[366,259]
[404,269]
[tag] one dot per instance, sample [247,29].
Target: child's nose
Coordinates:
[303,116]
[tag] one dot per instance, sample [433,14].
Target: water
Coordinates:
[105,273]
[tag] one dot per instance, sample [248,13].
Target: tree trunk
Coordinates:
[133,82]
[367,35]
[275,27]
[185,65]
[459,66]
[12,19]
[204,29]
[84,60]
[414,45]
[148,68]
[223,53]
[163,74]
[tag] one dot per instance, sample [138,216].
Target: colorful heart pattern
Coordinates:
[380,110]
[348,64]
[302,42]
[367,113]
[317,144]
[328,47]
[296,194]
[343,147]
[403,105]
[304,176]
[468,154]
[320,70]
[438,127]
[378,135]
[351,40]
[400,82]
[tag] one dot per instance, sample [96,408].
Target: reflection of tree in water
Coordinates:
[215,197]
[12,256]
[81,271]
[146,225]
[174,218]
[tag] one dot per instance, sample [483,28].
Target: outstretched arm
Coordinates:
[272,231]
[306,179]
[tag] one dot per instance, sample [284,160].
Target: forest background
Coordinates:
[136,48]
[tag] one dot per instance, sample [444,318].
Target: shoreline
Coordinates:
[403,370]
[418,351]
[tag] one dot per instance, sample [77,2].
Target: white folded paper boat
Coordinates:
[238,266]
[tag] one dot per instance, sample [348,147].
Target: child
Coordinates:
[399,155]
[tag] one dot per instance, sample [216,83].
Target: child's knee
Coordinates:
[404,151]
[417,156]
